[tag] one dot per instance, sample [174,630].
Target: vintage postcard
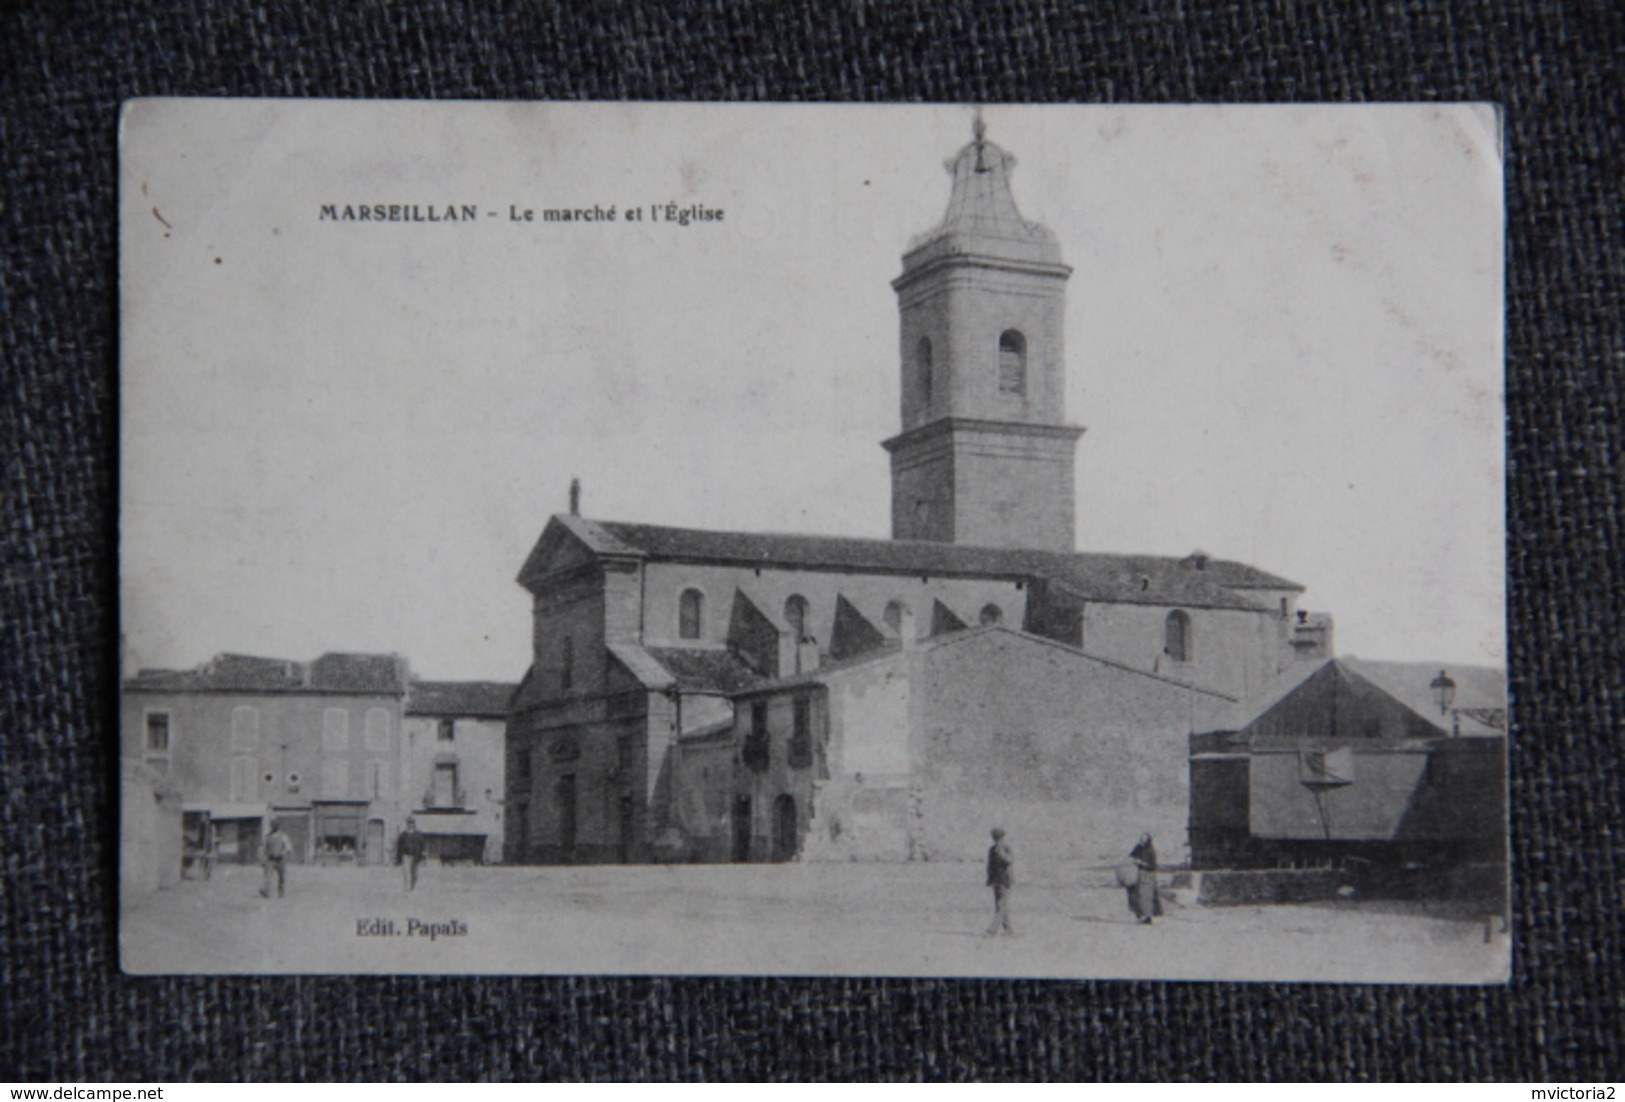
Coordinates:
[813,540]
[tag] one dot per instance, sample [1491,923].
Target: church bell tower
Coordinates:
[985,455]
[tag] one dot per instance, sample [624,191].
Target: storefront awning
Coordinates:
[453,824]
[229,810]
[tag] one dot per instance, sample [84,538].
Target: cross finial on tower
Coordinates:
[978,130]
[575,497]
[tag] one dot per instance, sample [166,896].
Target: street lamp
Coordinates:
[1444,692]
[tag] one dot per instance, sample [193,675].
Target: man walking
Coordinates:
[1001,864]
[409,851]
[277,849]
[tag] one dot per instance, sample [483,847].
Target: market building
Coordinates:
[1393,764]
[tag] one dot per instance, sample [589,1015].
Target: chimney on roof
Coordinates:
[575,497]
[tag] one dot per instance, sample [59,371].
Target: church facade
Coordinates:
[737,696]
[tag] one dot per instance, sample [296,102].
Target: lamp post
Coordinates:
[1444,695]
[1444,691]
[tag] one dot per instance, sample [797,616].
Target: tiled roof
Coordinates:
[1094,576]
[358,673]
[697,670]
[225,673]
[164,681]
[242,673]
[247,673]
[893,650]
[460,698]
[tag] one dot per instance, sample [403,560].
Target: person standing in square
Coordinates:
[410,848]
[1001,866]
[277,849]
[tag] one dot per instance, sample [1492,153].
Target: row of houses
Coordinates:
[338,751]
[1392,764]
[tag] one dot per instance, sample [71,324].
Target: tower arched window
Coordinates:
[991,614]
[690,614]
[1177,636]
[894,616]
[567,663]
[1012,362]
[795,615]
[923,362]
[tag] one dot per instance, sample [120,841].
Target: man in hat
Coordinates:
[409,851]
[275,859]
[1001,864]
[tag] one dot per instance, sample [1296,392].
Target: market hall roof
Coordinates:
[1193,581]
[1479,708]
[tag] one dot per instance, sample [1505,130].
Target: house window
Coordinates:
[335,779]
[335,730]
[756,748]
[245,727]
[795,614]
[923,359]
[156,746]
[377,780]
[1177,630]
[1012,363]
[445,792]
[894,616]
[445,730]
[690,614]
[245,778]
[801,734]
[377,730]
[567,663]
[991,614]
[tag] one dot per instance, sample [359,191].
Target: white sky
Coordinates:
[1284,335]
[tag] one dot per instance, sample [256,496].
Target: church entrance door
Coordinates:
[741,825]
[784,828]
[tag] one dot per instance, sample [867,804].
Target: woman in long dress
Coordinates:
[1143,897]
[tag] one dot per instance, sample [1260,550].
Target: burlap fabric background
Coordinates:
[69,1015]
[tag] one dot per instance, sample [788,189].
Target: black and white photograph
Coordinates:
[712,539]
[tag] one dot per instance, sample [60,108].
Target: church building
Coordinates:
[739,696]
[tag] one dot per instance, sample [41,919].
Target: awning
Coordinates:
[452,824]
[229,810]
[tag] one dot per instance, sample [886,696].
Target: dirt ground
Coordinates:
[924,919]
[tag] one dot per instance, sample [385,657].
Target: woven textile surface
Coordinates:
[66,1013]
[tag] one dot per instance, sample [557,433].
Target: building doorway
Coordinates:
[237,841]
[741,823]
[296,825]
[784,828]
[374,853]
